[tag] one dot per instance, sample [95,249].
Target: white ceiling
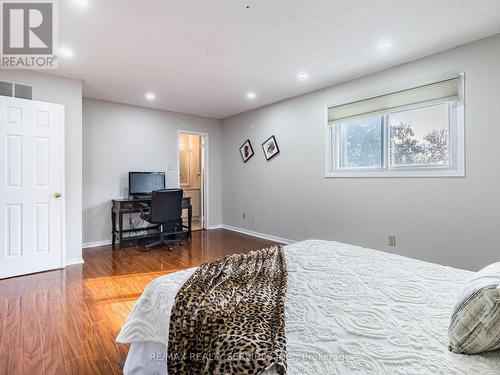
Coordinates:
[202,56]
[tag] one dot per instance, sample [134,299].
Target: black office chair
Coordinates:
[165,211]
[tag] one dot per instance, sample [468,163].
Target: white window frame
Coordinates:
[456,167]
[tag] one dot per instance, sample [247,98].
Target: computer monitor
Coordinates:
[143,183]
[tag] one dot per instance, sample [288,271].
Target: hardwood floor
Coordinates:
[66,321]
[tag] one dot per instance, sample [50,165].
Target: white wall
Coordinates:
[68,92]
[453,221]
[119,138]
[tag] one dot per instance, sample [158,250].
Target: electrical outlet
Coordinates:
[392,240]
[244,216]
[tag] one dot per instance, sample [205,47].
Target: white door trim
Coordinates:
[205,171]
[62,155]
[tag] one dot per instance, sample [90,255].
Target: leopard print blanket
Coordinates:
[229,317]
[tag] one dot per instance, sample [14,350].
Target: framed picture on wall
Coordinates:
[246,151]
[270,148]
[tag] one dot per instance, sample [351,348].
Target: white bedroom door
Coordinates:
[31,186]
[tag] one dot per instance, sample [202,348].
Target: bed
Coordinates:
[348,310]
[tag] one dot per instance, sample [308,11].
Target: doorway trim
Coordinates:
[205,171]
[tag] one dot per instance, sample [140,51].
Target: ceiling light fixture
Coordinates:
[150,96]
[66,52]
[81,3]
[302,76]
[384,45]
[251,95]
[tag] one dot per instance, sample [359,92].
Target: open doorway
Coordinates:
[192,174]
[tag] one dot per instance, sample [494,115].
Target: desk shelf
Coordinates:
[127,206]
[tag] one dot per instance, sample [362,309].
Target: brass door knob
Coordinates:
[58,195]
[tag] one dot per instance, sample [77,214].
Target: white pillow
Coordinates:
[475,321]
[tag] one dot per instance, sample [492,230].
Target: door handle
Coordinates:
[58,195]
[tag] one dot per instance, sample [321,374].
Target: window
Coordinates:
[361,143]
[420,137]
[412,133]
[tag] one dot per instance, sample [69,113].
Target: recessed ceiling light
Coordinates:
[251,95]
[150,96]
[66,52]
[303,76]
[81,3]
[384,45]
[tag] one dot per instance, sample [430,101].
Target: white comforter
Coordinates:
[349,310]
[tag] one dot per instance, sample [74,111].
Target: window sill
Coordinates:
[396,173]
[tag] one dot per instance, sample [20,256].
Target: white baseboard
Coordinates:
[96,244]
[70,262]
[252,233]
[265,236]
[217,226]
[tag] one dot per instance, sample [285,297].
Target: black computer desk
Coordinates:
[131,205]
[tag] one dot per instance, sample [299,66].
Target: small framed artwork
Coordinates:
[246,151]
[270,148]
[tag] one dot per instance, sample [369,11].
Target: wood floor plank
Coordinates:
[32,358]
[11,362]
[66,321]
[12,337]
[53,356]
[71,344]
[114,351]
[3,318]
[79,366]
